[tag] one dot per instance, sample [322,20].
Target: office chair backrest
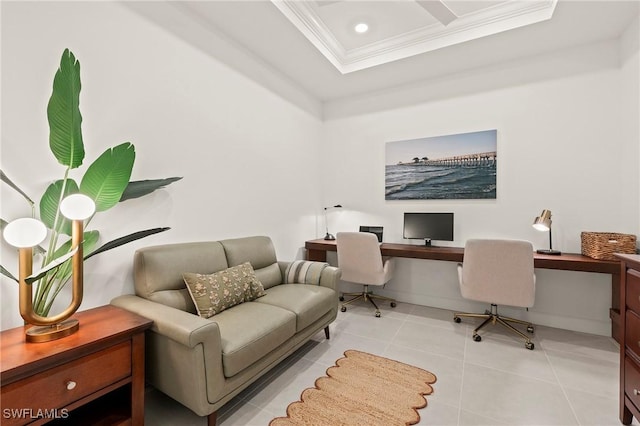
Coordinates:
[498,271]
[377,230]
[359,258]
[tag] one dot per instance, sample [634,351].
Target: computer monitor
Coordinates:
[374,230]
[428,226]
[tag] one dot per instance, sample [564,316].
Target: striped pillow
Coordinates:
[304,272]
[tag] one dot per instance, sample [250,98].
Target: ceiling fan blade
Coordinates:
[438,10]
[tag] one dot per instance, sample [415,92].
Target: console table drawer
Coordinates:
[633,290]
[59,386]
[632,381]
[632,333]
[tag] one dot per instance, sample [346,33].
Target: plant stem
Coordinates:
[60,285]
[42,292]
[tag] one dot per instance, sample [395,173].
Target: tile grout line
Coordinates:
[566,397]
[464,358]
[404,320]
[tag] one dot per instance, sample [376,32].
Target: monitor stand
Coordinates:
[427,242]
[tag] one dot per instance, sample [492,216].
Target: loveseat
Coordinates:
[204,362]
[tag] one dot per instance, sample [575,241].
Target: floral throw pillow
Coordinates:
[213,293]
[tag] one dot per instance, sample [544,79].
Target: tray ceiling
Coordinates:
[256,39]
[400,29]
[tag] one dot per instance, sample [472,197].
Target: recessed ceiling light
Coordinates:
[361,28]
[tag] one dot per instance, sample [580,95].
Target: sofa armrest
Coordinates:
[329,278]
[184,353]
[183,327]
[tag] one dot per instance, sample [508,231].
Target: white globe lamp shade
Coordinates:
[25,232]
[77,207]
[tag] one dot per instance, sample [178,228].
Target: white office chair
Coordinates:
[499,272]
[361,262]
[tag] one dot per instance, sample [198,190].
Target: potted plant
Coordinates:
[105,181]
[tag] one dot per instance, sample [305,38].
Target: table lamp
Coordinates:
[24,234]
[543,223]
[328,236]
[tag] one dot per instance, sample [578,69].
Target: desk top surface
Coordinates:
[565,261]
[631,260]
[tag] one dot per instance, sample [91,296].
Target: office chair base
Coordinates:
[365,295]
[493,317]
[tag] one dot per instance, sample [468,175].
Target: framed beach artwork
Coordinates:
[460,166]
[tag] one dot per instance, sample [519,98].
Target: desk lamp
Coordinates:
[328,236]
[543,223]
[24,234]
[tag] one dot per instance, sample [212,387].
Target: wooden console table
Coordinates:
[94,376]
[630,338]
[317,250]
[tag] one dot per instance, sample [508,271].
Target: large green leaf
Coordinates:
[8,181]
[126,239]
[89,241]
[50,201]
[54,264]
[140,188]
[8,274]
[63,255]
[106,179]
[63,113]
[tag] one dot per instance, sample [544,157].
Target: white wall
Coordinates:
[247,156]
[567,135]
[563,144]
[630,60]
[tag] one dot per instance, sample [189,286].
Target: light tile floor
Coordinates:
[569,378]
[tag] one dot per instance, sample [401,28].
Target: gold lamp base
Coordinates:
[46,333]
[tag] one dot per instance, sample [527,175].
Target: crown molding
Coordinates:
[498,18]
[304,18]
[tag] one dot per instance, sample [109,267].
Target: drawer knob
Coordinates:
[71,385]
[636,392]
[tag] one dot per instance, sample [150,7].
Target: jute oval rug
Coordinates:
[362,389]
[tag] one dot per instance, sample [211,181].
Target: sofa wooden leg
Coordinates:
[211,419]
[326,332]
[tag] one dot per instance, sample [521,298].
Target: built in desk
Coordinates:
[317,250]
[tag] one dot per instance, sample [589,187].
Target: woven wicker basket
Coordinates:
[602,245]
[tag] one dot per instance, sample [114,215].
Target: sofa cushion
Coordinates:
[213,293]
[270,276]
[304,271]
[158,270]
[258,251]
[250,331]
[308,302]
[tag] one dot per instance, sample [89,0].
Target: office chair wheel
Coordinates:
[530,329]
[457,320]
[341,298]
[343,309]
[393,304]
[477,337]
[529,345]
[377,314]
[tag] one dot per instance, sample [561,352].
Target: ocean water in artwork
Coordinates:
[432,182]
